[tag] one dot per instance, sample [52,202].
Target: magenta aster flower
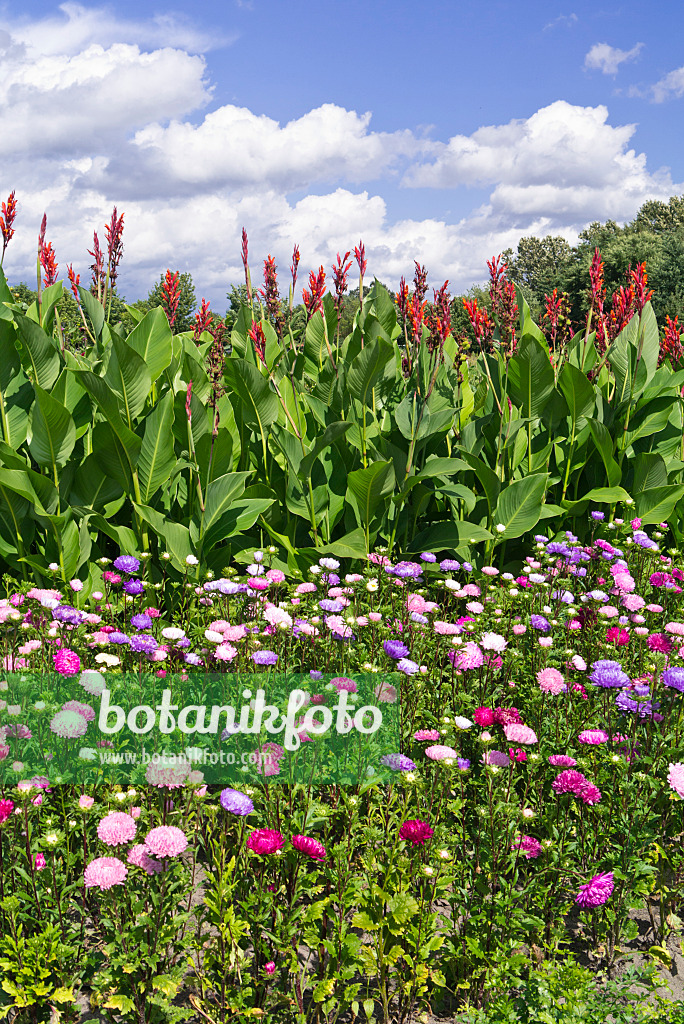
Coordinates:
[596,892]
[264,841]
[562,761]
[529,846]
[117,827]
[416,832]
[483,717]
[569,782]
[594,737]
[166,841]
[426,735]
[104,872]
[311,847]
[67,662]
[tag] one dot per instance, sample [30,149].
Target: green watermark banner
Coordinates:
[198,728]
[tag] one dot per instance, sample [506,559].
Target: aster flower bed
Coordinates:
[534,796]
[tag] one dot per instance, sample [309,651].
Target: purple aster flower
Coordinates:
[395,649]
[626,703]
[540,623]
[127,564]
[674,678]
[463,763]
[407,666]
[141,621]
[450,565]
[398,762]
[406,570]
[143,644]
[330,606]
[333,579]
[133,587]
[236,803]
[192,659]
[598,516]
[264,658]
[182,642]
[467,567]
[643,540]
[427,556]
[65,613]
[329,563]
[608,674]
[422,620]
[558,548]
[119,638]
[315,674]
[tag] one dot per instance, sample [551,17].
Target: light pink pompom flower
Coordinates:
[675,777]
[104,872]
[166,841]
[117,827]
[551,681]
[440,753]
[517,733]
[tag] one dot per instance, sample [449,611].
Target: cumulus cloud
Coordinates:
[605,58]
[98,116]
[671,85]
[562,21]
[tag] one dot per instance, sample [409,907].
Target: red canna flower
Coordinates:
[504,303]
[98,278]
[203,319]
[340,272]
[401,298]
[270,294]
[641,293]
[598,297]
[360,254]
[293,266]
[481,324]
[256,333]
[556,319]
[9,212]
[114,233]
[47,256]
[170,296]
[248,279]
[312,299]
[671,345]
[74,281]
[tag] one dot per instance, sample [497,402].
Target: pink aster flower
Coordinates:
[593,736]
[117,827]
[660,642]
[468,657]
[496,758]
[562,761]
[386,693]
[569,782]
[104,872]
[483,716]
[596,892]
[590,794]
[139,856]
[225,652]
[171,775]
[67,662]
[81,709]
[551,681]
[529,846]
[446,628]
[166,841]
[342,683]
[470,590]
[440,753]
[85,802]
[516,733]
[426,735]
[675,777]
[68,725]
[311,847]
[416,832]
[494,642]
[677,628]
[264,841]
[519,628]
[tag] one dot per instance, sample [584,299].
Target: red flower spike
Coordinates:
[256,333]
[313,299]
[170,296]
[401,297]
[481,324]
[293,266]
[9,212]
[97,267]
[340,271]
[203,319]
[74,281]
[671,345]
[114,233]
[360,254]
[46,255]
[504,303]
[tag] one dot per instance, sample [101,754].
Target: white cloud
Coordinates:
[562,21]
[605,58]
[670,85]
[92,120]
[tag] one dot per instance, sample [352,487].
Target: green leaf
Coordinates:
[153,341]
[157,457]
[53,432]
[487,477]
[649,337]
[367,488]
[530,377]
[220,495]
[172,536]
[519,506]
[649,420]
[577,391]
[604,445]
[650,470]
[332,433]
[367,368]
[129,444]
[91,487]
[10,363]
[449,536]
[93,308]
[39,355]
[656,504]
[260,404]
[128,377]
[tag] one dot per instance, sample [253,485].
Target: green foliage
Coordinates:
[187,303]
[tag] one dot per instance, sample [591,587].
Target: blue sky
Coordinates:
[441,132]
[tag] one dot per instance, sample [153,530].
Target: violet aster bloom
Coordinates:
[192,659]
[133,587]
[407,666]
[315,674]
[406,570]
[427,556]
[596,892]
[65,613]
[330,606]
[598,516]
[144,644]
[398,762]
[264,658]
[395,649]
[674,678]
[539,623]
[119,638]
[141,621]
[558,548]
[127,564]
[449,565]
[236,803]
[463,763]
[608,674]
